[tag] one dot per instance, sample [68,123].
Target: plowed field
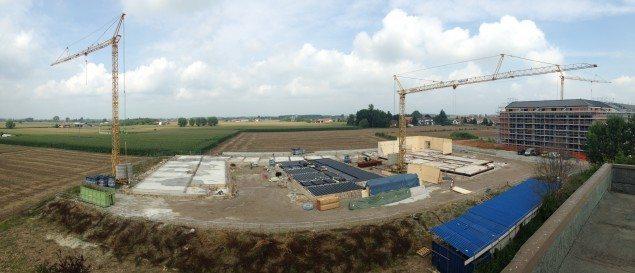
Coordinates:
[333,140]
[27,175]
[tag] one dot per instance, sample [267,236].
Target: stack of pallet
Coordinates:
[327,203]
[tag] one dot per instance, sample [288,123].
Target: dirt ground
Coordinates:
[334,140]
[28,175]
[29,241]
[263,207]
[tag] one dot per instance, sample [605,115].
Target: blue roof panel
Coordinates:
[483,224]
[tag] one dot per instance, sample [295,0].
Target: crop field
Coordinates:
[29,174]
[333,140]
[149,140]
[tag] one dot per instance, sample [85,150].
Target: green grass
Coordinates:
[461,135]
[151,140]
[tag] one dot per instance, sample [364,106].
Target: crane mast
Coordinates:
[401,166]
[113,42]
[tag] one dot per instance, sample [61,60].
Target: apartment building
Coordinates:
[554,124]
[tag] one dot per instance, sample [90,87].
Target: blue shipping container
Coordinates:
[391,183]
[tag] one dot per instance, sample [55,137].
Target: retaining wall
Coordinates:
[547,248]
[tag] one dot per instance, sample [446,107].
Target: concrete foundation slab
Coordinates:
[210,172]
[185,175]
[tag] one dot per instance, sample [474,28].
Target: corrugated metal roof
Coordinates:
[357,173]
[557,103]
[485,223]
[325,189]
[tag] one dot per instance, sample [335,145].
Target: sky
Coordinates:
[249,58]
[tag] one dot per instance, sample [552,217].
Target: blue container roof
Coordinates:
[485,223]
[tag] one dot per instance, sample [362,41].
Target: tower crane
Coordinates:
[576,78]
[113,42]
[497,75]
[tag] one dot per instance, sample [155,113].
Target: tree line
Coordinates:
[197,121]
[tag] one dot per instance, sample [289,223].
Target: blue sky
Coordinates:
[230,58]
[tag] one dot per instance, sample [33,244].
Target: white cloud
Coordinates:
[256,57]
[564,10]
[96,82]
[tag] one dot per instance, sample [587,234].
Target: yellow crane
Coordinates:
[497,75]
[576,78]
[113,42]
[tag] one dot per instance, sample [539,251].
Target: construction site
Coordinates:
[356,200]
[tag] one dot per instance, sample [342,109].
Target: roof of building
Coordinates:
[558,103]
[484,224]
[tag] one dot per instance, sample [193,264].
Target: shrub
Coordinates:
[68,264]
[460,135]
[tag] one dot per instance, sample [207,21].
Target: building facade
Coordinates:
[554,124]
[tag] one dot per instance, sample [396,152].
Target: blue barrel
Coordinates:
[111,182]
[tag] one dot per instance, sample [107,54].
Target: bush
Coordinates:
[68,264]
[385,136]
[460,135]
[9,124]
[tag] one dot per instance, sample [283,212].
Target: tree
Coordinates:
[464,120]
[192,122]
[201,121]
[416,117]
[375,118]
[363,123]
[441,119]
[473,121]
[67,119]
[609,140]
[350,121]
[9,124]
[212,121]
[56,118]
[554,168]
[182,122]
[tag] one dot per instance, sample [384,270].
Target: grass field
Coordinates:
[149,140]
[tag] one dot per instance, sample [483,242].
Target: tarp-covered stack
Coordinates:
[391,183]
[379,199]
[327,203]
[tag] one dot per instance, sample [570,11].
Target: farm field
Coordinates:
[29,174]
[333,140]
[148,140]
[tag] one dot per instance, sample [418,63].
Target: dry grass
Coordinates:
[359,249]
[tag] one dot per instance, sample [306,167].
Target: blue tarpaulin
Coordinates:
[485,223]
[391,183]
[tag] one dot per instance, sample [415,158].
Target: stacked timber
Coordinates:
[369,163]
[327,203]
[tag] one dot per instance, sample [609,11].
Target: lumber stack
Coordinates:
[327,203]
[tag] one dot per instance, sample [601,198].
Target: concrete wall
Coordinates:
[426,173]
[416,143]
[623,179]
[547,248]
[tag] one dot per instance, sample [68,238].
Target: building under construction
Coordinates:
[554,124]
